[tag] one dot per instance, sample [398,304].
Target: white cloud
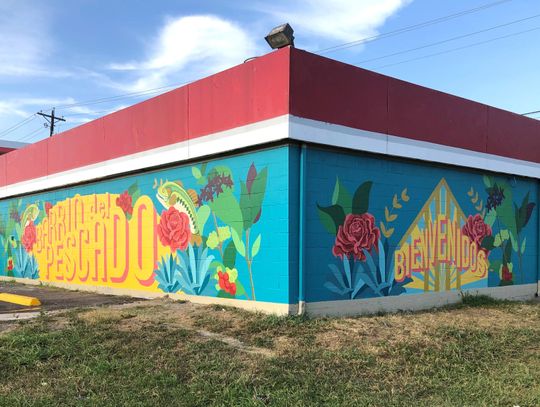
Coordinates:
[187,48]
[336,20]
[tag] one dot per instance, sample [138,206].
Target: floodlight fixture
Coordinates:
[280,36]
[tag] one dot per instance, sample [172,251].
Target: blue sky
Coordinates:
[61,53]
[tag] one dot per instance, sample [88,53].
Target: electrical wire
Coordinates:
[17,125]
[459,37]
[531,113]
[31,134]
[388,34]
[459,48]
[120,97]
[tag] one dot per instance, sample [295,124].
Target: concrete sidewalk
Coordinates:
[55,298]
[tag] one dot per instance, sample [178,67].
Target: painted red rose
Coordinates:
[125,202]
[29,236]
[10,264]
[357,233]
[476,229]
[48,207]
[173,229]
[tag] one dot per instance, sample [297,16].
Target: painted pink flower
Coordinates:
[174,229]
[358,233]
[476,229]
[29,236]
[125,202]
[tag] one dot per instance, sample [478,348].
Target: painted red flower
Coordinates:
[174,229]
[125,202]
[357,233]
[506,273]
[48,207]
[476,229]
[29,236]
[10,264]
[225,284]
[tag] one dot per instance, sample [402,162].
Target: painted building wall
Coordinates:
[378,226]
[217,228]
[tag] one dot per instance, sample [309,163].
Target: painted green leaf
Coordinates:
[224,294]
[256,246]
[226,207]
[229,255]
[505,211]
[251,202]
[360,202]
[342,197]
[202,216]
[133,189]
[513,239]
[490,217]
[523,245]
[196,172]
[240,290]
[488,181]
[331,217]
[238,243]
[495,266]
[488,243]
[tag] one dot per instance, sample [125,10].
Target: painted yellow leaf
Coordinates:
[471,192]
[484,213]
[386,232]
[475,199]
[389,217]
[404,195]
[479,206]
[395,202]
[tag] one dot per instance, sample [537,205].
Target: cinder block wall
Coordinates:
[379,228]
[216,231]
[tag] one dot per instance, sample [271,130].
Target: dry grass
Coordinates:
[169,353]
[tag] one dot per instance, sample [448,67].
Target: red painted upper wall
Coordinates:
[247,93]
[330,91]
[284,81]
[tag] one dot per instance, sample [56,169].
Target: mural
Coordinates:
[198,234]
[393,245]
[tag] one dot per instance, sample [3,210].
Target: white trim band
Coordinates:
[341,136]
[276,129]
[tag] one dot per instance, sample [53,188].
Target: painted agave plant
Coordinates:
[194,270]
[25,265]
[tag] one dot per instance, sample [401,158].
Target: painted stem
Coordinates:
[249,261]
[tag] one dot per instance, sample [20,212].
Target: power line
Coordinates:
[459,37]
[120,97]
[408,28]
[330,49]
[17,125]
[459,48]
[531,113]
[31,134]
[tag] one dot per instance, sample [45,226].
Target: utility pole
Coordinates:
[51,119]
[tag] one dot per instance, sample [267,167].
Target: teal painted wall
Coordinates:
[379,226]
[215,228]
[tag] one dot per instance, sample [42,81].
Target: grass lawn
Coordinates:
[482,353]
